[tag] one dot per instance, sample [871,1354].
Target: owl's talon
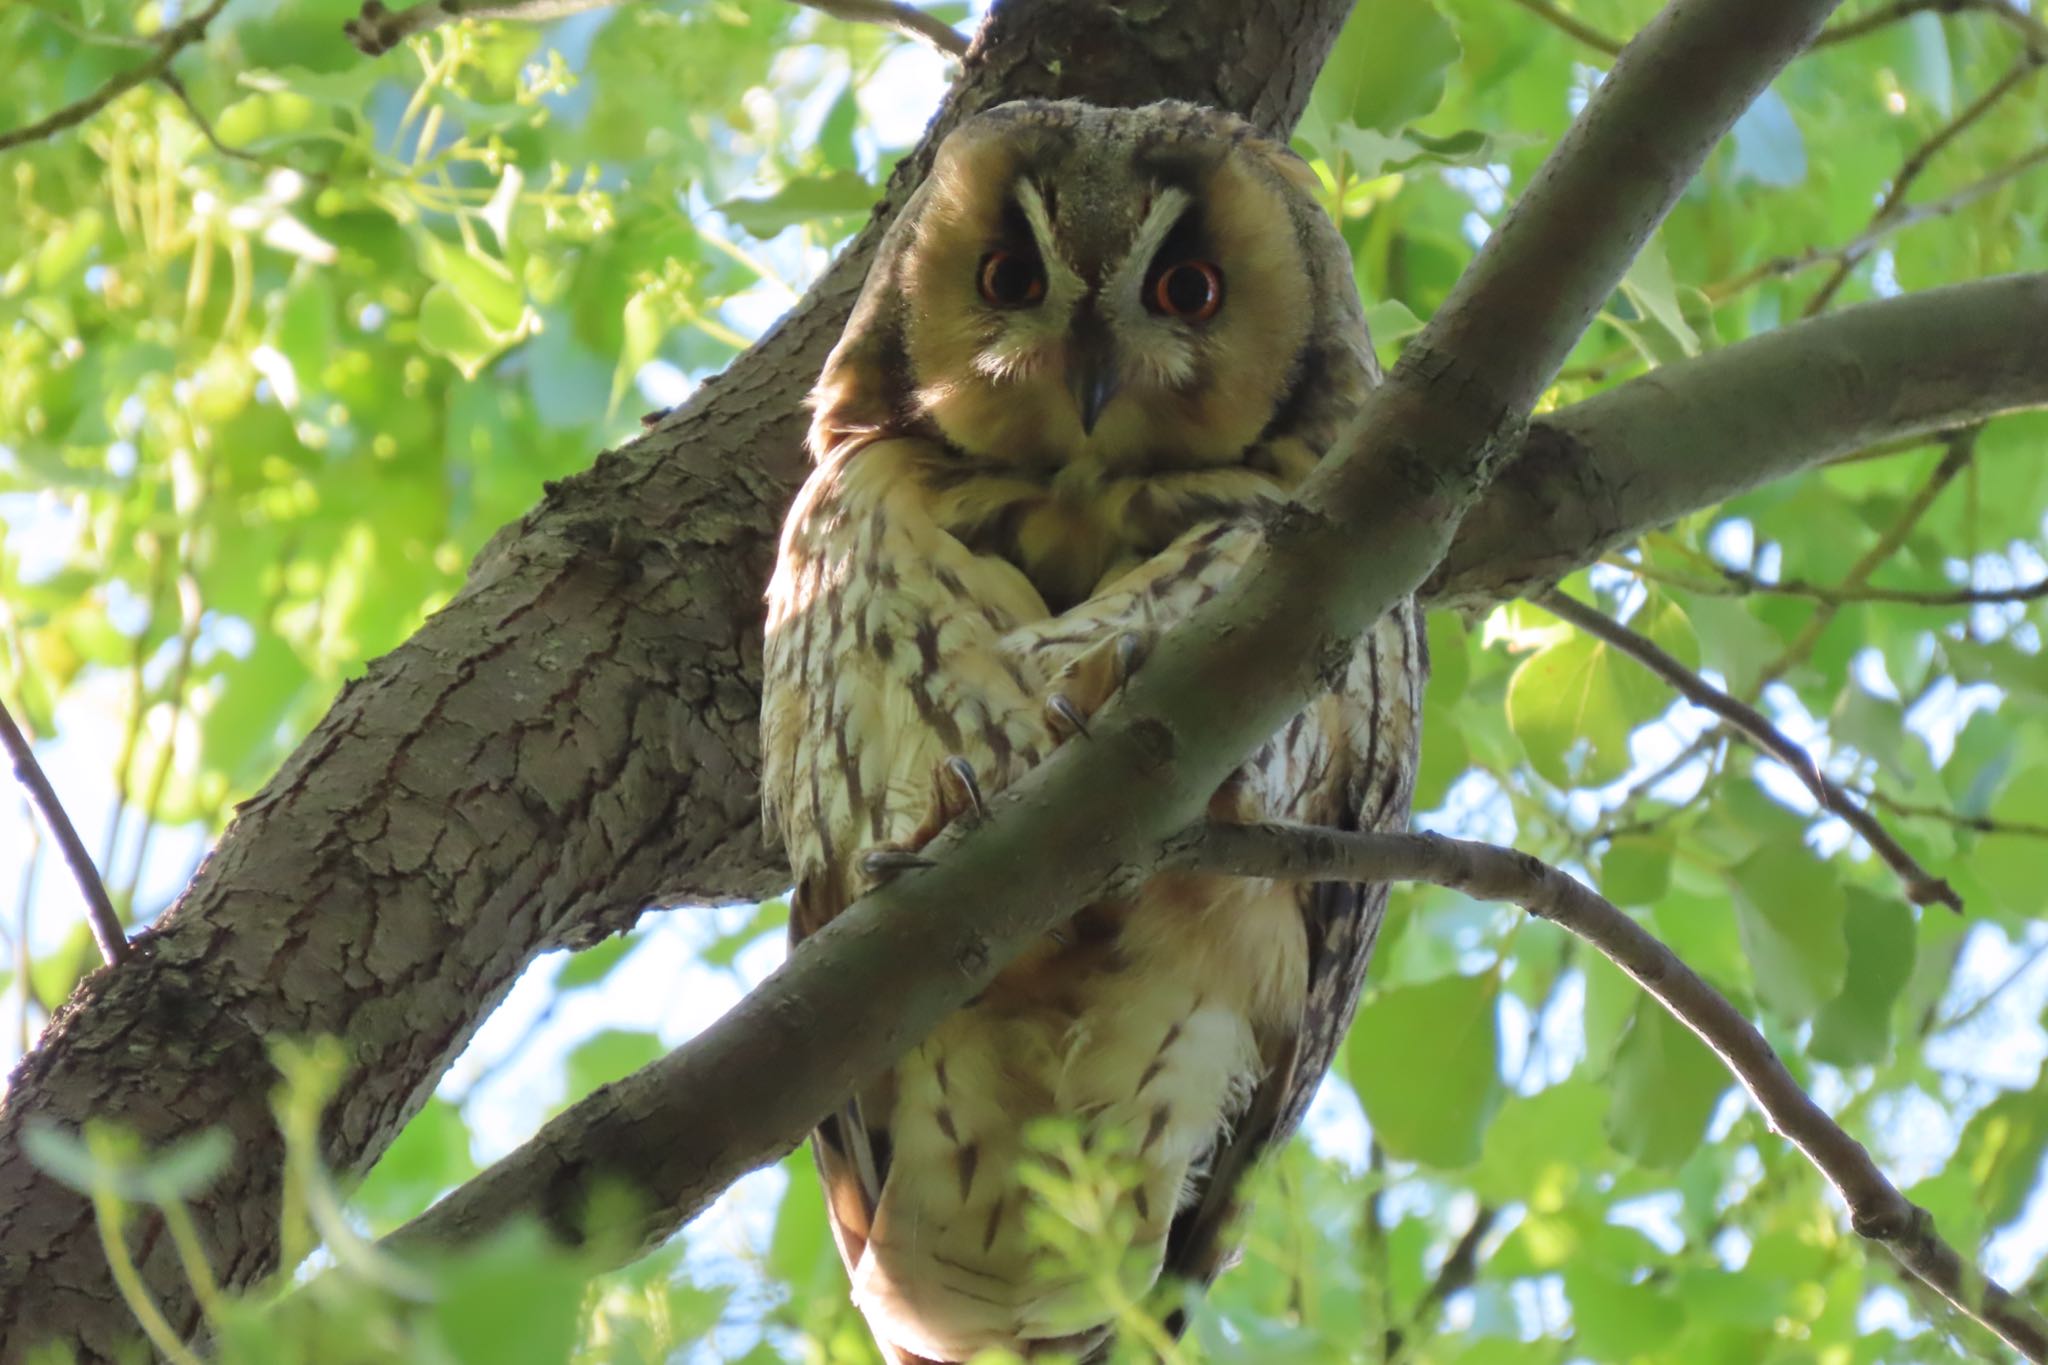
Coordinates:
[1064,717]
[884,864]
[1130,652]
[959,791]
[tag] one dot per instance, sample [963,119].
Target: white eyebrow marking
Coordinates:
[1056,268]
[1167,207]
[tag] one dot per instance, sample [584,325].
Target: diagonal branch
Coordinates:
[1922,886]
[1372,522]
[1876,1208]
[174,40]
[99,911]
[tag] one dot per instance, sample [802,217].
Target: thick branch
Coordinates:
[1876,1208]
[1687,436]
[1374,519]
[1922,886]
[569,742]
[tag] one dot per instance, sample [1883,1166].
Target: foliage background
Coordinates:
[283,343]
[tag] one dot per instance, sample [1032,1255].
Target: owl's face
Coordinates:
[1086,285]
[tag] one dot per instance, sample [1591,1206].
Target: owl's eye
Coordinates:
[1009,280]
[1191,291]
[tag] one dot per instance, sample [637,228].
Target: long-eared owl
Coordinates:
[1095,350]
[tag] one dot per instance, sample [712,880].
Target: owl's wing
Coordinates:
[882,661]
[1346,762]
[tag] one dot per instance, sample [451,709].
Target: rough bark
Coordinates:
[570,742]
[1373,521]
[1605,470]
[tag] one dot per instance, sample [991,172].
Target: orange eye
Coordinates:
[1009,280]
[1191,291]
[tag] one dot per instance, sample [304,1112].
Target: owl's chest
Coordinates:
[1073,527]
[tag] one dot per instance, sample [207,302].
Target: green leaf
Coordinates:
[1447,1030]
[512,1302]
[431,1154]
[610,1055]
[452,329]
[596,962]
[1387,70]
[2001,1149]
[807,200]
[1573,704]
[1854,1029]
[1665,1086]
[1659,329]
[1636,869]
[1789,906]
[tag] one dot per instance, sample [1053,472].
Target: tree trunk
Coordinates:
[571,741]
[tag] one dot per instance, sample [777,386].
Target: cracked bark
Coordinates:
[572,740]
[569,742]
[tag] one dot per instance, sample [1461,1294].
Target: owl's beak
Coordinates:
[1092,372]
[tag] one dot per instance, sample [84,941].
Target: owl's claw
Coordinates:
[1064,718]
[959,792]
[1130,652]
[1086,685]
[884,863]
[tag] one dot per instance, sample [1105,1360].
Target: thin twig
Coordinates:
[1958,450]
[1981,824]
[1922,886]
[908,20]
[1782,266]
[99,911]
[1916,164]
[169,80]
[174,40]
[1863,25]
[1844,593]
[1574,26]
[1460,1268]
[1876,1208]
[377,29]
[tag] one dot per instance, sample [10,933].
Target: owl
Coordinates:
[1094,353]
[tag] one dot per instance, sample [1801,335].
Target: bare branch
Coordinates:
[1865,24]
[175,39]
[1981,824]
[376,29]
[1571,24]
[169,80]
[1460,1268]
[99,911]
[1843,593]
[908,20]
[1876,1208]
[1958,450]
[1899,220]
[1918,162]
[1378,515]
[1600,473]
[1922,886]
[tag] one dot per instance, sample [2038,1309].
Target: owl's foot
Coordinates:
[956,795]
[1087,683]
